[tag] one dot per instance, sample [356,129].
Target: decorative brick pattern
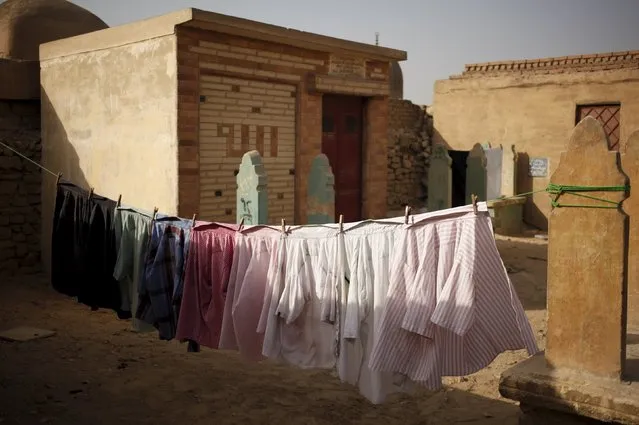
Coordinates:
[579,63]
[229,127]
[238,94]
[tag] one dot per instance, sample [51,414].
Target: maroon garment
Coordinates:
[206,277]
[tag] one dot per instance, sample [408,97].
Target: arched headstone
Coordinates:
[509,172]
[252,195]
[586,260]
[321,192]
[582,372]
[440,179]
[476,174]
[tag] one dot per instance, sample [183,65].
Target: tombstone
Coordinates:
[252,195]
[509,172]
[440,179]
[321,192]
[630,164]
[494,158]
[580,375]
[476,174]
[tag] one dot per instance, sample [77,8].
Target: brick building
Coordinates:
[535,104]
[161,111]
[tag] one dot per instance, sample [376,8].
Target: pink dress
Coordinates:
[254,251]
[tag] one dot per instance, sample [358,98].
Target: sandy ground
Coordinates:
[96,371]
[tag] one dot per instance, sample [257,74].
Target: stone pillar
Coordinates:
[582,369]
[321,192]
[476,174]
[509,172]
[630,164]
[494,158]
[252,195]
[440,180]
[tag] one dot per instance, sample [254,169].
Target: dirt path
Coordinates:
[96,371]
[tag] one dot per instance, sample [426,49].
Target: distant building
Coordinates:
[535,104]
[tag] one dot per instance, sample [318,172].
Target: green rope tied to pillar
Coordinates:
[558,190]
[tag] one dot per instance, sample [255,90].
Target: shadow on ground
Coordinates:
[94,370]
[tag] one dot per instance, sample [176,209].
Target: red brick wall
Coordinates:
[188,116]
[206,55]
[375,158]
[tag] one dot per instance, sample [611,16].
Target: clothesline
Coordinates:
[284,229]
[551,189]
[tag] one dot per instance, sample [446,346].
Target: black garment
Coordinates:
[83,253]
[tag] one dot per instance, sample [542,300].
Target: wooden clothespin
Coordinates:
[473,198]
[119,200]
[406,214]
[90,193]
[193,220]
[155,212]
[341,223]
[283,226]
[57,181]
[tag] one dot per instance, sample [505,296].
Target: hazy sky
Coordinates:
[440,36]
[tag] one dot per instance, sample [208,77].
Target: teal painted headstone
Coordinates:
[252,195]
[321,192]
[440,180]
[476,174]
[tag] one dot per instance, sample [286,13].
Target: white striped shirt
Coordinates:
[451,308]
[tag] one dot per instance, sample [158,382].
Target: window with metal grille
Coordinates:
[609,115]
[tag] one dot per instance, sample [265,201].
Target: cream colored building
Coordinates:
[535,104]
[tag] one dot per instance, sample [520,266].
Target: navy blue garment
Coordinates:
[160,291]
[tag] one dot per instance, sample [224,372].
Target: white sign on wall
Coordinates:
[538,167]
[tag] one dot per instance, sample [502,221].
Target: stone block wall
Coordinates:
[20,183]
[409,147]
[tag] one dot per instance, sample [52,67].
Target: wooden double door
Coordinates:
[342,134]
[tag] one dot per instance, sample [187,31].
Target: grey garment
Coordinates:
[494,158]
[132,229]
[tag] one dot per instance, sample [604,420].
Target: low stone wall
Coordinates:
[409,147]
[20,188]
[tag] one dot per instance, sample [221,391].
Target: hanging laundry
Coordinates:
[255,251]
[83,253]
[451,308]
[292,313]
[160,291]
[367,248]
[207,273]
[132,229]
